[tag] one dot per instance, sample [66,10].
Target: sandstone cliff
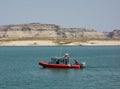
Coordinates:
[51,30]
[28,30]
[114,34]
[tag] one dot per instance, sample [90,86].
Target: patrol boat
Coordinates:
[62,62]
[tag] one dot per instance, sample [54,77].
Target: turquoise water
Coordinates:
[19,68]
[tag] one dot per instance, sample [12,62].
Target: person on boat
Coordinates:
[58,61]
[76,62]
[66,58]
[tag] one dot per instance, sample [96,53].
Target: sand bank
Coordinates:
[50,43]
[97,43]
[27,43]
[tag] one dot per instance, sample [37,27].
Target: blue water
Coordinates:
[19,68]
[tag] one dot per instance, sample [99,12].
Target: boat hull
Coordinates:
[51,65]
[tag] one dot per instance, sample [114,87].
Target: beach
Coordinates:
[51,43]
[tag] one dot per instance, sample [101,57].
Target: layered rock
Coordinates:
[114,34]
[51,30]
[28,30]
[82,33]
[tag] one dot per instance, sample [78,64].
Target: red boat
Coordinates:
[61,62]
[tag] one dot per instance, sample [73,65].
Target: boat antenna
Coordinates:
[60,51]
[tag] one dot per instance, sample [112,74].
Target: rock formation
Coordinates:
[114,34]
[35,30]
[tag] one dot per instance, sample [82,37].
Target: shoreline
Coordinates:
[51,43]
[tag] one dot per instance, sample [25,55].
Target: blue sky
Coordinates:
[101,15]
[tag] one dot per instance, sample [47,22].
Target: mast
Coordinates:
[60,53]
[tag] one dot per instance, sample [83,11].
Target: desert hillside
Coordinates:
[37,30]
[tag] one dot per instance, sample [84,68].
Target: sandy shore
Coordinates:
[28,43]
[97,43]
[50,43]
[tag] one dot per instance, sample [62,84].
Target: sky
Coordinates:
[101,15]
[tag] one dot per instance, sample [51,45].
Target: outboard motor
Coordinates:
[83,64]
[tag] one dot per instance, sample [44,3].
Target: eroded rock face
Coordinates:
[28,30]
[52,30]
[114,34]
